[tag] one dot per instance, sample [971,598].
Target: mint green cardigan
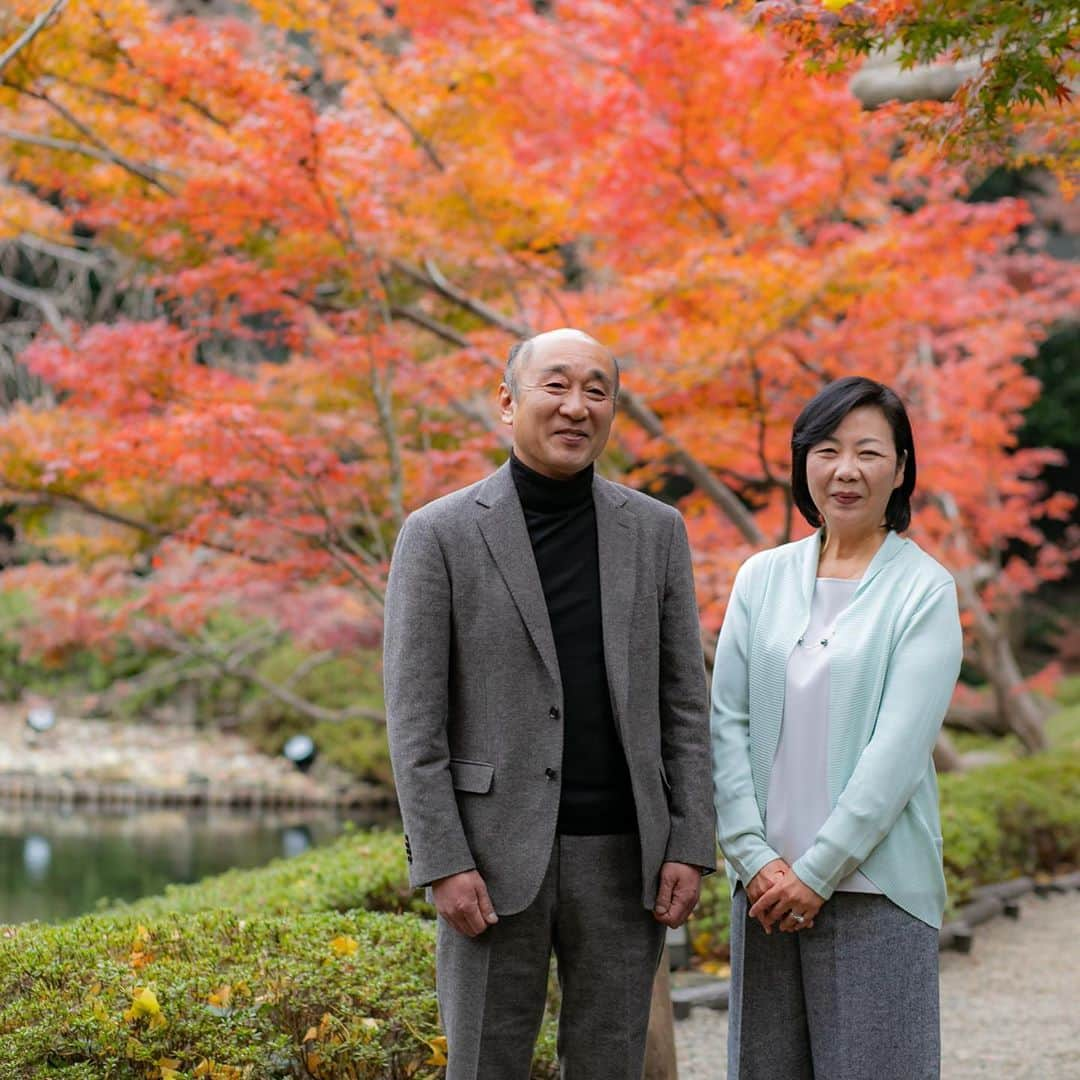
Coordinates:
[894,655]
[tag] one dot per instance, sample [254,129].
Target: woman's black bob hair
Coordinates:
[824,414]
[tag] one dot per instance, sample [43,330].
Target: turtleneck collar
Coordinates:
[547,495]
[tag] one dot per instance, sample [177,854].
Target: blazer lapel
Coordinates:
[507,538]
[615,536]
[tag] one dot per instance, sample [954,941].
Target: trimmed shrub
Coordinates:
[212,994]
[358,870]
[1006,820]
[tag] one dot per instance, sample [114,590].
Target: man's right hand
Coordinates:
[463,901]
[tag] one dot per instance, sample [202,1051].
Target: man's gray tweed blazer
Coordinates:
[474,698]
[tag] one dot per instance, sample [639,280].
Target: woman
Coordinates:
[834,668]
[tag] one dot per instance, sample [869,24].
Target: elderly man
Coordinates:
[547,712]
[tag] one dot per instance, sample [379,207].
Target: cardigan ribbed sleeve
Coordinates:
[919,682]
[740,830]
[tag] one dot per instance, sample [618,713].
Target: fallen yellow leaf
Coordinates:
[144,1005]
[344,946]
[438,1050]
[144,1002]
[835,5]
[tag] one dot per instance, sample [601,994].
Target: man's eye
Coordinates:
[555,387]
[597,394]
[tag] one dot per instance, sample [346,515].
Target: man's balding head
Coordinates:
[522,353]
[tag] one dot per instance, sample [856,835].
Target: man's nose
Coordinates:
[573,403]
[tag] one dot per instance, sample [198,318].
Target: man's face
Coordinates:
[565,404]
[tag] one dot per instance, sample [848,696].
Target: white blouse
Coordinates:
[798,800]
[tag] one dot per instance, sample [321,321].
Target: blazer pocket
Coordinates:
[473,776]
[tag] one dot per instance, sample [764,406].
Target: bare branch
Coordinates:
[454,337]
[432,278]
[23,497]
[703,477]
[61,252]
[30,33]
[882,79]
[234,666]
[42,301]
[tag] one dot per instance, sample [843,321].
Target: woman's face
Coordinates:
[852,472]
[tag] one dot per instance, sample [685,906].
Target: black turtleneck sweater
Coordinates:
[561,517]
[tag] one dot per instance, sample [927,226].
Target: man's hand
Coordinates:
[463,901]
[680,887]
[785,897]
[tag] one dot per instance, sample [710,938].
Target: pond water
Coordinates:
[57,863]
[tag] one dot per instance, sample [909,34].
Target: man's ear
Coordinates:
[506,404]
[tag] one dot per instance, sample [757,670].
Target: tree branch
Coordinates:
[30,33]
[42,301]
[61,252]
[144,172]
[233,666]
[22,497]
[715,489]
[882,80]
[431,277]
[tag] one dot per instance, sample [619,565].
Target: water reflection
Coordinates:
[57,863]
[37,854]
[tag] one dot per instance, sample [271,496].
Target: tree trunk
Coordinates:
[882,79]
[946,757]
[983,718]
[660,1048]
[1016,704]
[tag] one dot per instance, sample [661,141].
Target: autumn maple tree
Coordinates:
[308,231]
[1004,72]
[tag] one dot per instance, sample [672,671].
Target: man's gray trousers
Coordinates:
[492,988]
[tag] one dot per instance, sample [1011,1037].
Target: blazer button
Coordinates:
[553,712]
[550,774]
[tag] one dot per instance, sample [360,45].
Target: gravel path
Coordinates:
[1008,1010]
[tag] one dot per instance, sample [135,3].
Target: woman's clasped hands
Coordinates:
[778,897]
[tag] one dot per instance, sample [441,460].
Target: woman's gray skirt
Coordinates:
[853,998]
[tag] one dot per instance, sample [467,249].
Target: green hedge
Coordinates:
[1002,821]
[324,995]
[359,870]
